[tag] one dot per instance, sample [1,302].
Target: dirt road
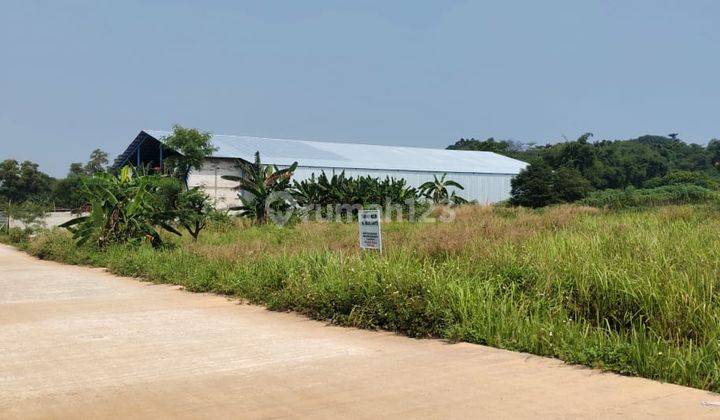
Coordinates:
[78,342]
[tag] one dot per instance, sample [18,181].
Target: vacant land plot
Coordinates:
[629,291]
[78,342]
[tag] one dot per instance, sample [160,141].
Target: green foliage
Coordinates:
[713,151]
[569,185]
[647,161]
[23,181]
[123,209]
[166,193]
[194,211]
[338,191]
[259,187]
[504,147]
[660,196]
[97,163]
[76,168]
[701,179]
[15,235]
[437,190]
[193,147]
[538,185]
[68,193]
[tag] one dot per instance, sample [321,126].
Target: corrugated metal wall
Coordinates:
[484,188]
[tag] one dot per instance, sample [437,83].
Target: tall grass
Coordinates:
[633,292]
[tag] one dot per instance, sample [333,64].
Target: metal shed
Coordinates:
[486,176]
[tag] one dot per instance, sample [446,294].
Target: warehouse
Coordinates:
[486,176]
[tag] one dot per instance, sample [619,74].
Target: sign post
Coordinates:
[370,234]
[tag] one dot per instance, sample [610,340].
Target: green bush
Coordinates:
[337,191]
[123,208]
[16,235]
[700,179]
[666,195]
[539,185]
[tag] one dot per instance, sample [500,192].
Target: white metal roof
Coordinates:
[358,156]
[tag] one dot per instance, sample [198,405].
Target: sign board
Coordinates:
[370,237]
[4,221]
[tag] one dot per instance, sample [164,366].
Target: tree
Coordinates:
[614,163]
[193,147]
[713,150]
[20,182]
[437,190]
[504,147]
[569,185]
[76,168]
[260,183]
[533,187]
[10,180]
[538,185]
[69,192]
[98,162]
[193,211]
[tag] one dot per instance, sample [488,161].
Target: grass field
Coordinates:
[630,291]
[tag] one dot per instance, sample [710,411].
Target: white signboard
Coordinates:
[369,221]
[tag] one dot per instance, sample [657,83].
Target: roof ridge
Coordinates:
[333,142]
[313,153]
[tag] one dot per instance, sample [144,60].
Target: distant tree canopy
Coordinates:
[24,182]
[98,162]
[20,182]
[504,147]
[645,161]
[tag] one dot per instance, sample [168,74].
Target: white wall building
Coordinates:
[486,176]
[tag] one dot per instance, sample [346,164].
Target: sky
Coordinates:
[80,75]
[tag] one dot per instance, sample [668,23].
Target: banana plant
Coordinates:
[122,209]
[257,184]
[437,190]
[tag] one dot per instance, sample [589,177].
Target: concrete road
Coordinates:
[77,342]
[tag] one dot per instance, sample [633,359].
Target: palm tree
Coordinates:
[260,182]
[437,190]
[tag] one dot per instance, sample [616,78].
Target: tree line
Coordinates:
[571,170]
[23,182]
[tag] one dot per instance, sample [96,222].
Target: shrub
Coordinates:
[339,190]
[193,211]
[700,179]
[16,235]
[669,194]
[538,185]
[123,209]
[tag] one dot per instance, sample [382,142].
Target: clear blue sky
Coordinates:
[76,75]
